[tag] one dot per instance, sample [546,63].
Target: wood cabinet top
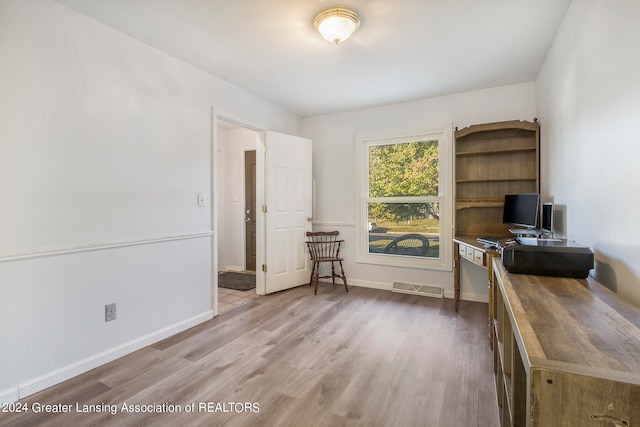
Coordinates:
[576,325]
[472,241]
[486,127]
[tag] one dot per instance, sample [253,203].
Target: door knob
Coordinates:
[309,218]
[247,220]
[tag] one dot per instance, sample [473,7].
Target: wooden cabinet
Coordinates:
[492,160]
[566,352]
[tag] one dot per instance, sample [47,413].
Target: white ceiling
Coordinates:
[404,49]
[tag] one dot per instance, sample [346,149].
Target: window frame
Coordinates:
[444,135]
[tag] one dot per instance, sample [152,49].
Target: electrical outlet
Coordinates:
[110,312]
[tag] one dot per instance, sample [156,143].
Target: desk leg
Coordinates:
[456,275]
[490,281]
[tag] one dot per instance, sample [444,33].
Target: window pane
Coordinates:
[405,169]
[409,229]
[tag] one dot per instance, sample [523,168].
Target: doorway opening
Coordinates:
[283,205]
[236,186]
[250,248]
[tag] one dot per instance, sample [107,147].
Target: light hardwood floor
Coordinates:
[363,358]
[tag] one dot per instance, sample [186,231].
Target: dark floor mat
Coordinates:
[237,281]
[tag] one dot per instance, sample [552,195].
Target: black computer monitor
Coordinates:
[521,209]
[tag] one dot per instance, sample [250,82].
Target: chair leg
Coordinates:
[317,277]
[313,269]
[344,278]
[333,272]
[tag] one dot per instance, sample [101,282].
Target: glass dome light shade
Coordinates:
[337,24]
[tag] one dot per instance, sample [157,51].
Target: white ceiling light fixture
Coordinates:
[337,23]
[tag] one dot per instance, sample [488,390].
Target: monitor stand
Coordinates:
[527,232]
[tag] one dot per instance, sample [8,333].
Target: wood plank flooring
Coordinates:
[366,358]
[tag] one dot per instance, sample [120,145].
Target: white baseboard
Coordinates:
[475,297]
[448,293]
[369,284]
[9,395]
[59,375]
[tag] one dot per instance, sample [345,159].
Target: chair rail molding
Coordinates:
[102,246]
[334,224]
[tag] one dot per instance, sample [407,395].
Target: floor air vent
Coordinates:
[424,290]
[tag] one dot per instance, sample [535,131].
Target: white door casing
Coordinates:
[288,210]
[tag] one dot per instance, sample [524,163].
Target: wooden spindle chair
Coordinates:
[324,247]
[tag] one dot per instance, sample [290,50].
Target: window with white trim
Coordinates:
[404,203]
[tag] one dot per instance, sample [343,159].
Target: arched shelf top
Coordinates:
[488,127]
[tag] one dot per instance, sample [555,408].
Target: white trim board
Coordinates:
[102,246]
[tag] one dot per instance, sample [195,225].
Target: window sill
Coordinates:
[422,263]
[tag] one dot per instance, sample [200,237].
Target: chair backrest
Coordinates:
[323,244]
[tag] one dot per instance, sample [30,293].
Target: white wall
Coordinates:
[104,145]
[232,144]
[334,169]
[588,101]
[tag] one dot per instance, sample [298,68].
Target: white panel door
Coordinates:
[289,202]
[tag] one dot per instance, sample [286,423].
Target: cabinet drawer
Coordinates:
[472,254]
[478,257]
[462,251]
[469,254]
